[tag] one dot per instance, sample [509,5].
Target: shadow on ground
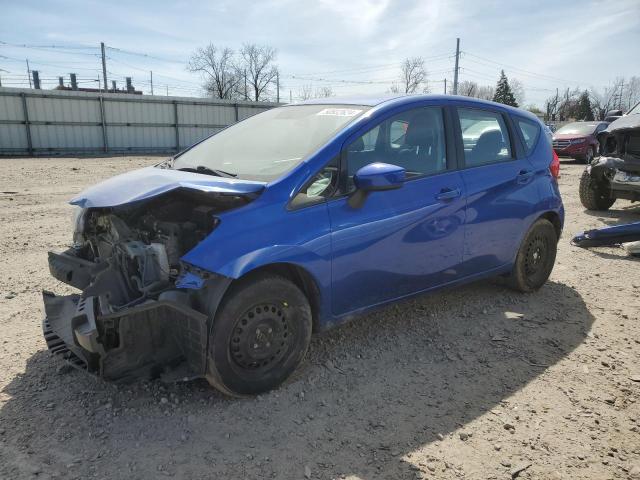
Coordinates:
[370,393]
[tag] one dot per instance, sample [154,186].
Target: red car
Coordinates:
[578,140]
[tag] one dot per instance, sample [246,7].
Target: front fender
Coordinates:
[292,254]
[598,169]
[264,234]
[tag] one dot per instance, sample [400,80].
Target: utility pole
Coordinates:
[29,73]
[278,87]
[151,82]
[455,72]
[445,86]
[290,97]
[104,66]
[167,90]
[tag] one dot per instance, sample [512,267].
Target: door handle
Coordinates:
[448,194]
[524,176]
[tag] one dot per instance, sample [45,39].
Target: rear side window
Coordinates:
[484,136]
[530,133]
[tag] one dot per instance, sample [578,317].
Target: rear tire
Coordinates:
[536,257]
[592,195]
[260,335]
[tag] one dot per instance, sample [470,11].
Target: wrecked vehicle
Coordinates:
[221,261]
[616,173]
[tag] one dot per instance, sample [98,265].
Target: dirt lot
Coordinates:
[477,382]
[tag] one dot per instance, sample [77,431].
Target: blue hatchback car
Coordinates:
[221,261]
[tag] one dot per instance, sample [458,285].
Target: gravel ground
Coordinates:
[477,382]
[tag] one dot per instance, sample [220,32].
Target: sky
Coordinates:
[353,46]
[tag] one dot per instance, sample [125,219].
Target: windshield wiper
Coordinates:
[209,171]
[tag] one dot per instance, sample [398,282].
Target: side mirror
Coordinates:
[375,177]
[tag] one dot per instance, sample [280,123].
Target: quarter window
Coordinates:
[484,136]
[320,187]
[530,131]
[414,140]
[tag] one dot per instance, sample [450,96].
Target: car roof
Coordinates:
[398,99]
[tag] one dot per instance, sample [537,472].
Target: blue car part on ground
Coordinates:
[300,218]
[608,236]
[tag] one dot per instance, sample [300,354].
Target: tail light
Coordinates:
[554,167]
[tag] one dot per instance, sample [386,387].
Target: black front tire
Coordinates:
[536,257]
[260,335]
[594,195]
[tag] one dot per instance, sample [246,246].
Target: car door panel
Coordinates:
[499,201]
[500,188]
[399,242]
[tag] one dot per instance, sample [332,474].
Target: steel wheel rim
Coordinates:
[260,337]
[536,256]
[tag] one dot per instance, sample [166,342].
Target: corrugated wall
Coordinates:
[46,122]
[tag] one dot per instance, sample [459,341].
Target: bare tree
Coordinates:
[470,88]
[551,107]
[305,92]
[324,92]
[394,88]
[631,93]
[486,92]
[217,67]
[413,74]
[258,61]
[467,88]
[517,88]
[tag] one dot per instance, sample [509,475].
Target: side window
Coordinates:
[370,139]
[530,132]
[414,140]
[484,136]
[321,186]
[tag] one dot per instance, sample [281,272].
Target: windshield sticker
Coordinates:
[339,112]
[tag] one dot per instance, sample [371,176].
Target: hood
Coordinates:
[569,136]
[628,122]
[150,182]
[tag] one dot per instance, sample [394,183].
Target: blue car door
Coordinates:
[501,195]
[406,240]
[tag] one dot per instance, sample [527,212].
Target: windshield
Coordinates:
[578,128]
[265,146]
[635,110]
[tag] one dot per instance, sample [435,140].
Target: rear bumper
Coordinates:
[131,343]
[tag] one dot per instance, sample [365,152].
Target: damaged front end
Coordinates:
[617,171]
[141,309]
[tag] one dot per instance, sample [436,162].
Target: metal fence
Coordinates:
[53,122]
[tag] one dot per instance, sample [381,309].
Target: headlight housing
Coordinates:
[77,223]
[578,140]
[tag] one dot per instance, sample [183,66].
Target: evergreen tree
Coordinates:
[584,110]
[503,92]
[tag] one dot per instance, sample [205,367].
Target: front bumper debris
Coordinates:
[607,236]
[130,343]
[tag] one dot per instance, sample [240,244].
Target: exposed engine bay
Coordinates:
[130,318]
[135,250]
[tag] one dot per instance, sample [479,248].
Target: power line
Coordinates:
[549,77]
